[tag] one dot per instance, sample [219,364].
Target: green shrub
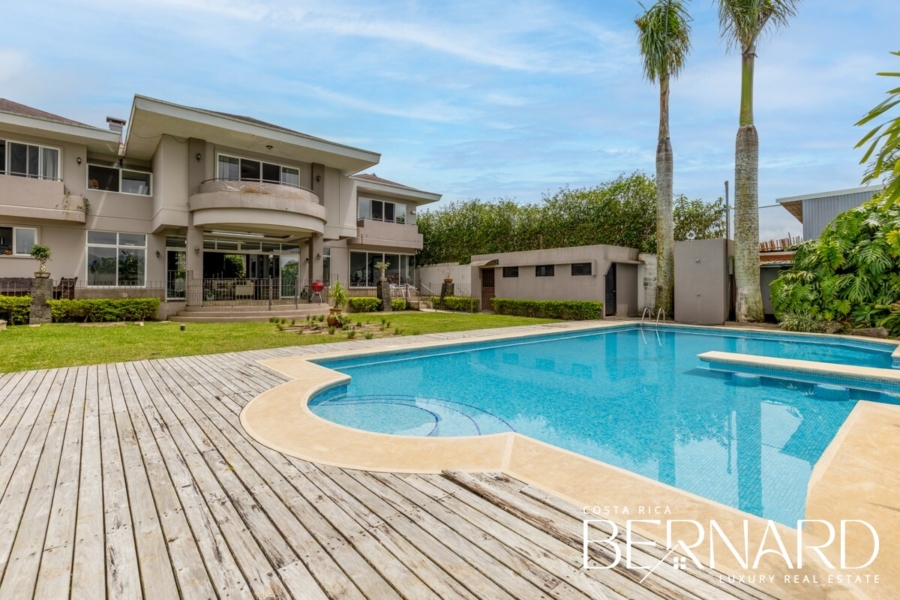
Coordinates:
[363,304]
[850,274]
[369,335]
[331,330]
[351,334]
[573,310]
[104,309]
[803,323]
[456,303]
[399,304]
[15,309]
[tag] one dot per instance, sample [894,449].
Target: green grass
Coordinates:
[69,345]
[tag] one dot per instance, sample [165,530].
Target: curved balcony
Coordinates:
[258,206]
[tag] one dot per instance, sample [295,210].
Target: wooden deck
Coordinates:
[136,480]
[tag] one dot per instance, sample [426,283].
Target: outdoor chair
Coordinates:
[65,289]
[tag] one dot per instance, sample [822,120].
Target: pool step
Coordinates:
[827,391]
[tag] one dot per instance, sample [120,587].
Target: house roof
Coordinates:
[152,118]
[374,183]
[8,106]
[376,179]
[794,204]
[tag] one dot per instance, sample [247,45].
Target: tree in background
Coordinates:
[664,39]
[698,220]
[884,150]
[742,22]
[620,213]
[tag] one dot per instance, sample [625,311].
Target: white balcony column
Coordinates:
[314,247]
[194,265]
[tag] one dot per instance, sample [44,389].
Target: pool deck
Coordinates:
[134,480]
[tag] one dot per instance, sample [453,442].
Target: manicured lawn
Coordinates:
[68,344]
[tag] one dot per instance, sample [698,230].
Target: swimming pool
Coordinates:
[629,398]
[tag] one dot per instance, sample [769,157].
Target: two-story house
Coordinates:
[197,207]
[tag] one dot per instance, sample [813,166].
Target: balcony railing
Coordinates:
[278,188]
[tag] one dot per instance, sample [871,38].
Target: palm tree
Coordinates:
[664,38]
[742,22]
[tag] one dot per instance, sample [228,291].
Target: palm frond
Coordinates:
[664,38]
[741,22]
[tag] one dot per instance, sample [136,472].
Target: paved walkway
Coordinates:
[136,480]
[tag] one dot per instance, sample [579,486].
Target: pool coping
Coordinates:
[274,420]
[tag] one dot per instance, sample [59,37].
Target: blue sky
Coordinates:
[473,99]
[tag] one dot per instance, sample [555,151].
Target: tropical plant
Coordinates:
[850,274]
[382,267]
[664,39]
[42,255]
[742,22]
[338,294]
[884,145]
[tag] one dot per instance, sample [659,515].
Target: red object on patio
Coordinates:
[318,286]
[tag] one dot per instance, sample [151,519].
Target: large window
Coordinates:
[364,274]
[29,160]
[379,210]
[232,168]
[114,179]
[116,259]
[17,240]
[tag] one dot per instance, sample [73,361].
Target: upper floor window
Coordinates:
[581,269]
[379,210]
[29,160]
[232,168]
[544,271]
[114,179]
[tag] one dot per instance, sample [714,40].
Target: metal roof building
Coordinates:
[816,211]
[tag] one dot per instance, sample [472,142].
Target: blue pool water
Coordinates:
[629,398]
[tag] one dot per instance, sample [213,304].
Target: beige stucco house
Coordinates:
[196,206]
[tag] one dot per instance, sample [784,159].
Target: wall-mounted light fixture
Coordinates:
[158,254]
[318,178]
[318,256]
[78,160]
[269,146]
[196,249]
[199,156]
[306,259]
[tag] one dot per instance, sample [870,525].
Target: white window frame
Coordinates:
[59,153]
[281,166]
[87,180]
[117,246]
[382,220]
[15,238]
[409,266]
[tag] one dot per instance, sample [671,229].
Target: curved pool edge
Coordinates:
[281,419]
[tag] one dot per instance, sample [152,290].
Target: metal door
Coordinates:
[611,291]
[487,289]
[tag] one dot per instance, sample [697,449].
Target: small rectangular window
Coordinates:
[18,159]
[135,182]
[229,168]
[400,214]
[377,210]
[510,271]
[249,170]
[389,212]
[34,161]
[364,209]
[104,238]
[25,239]
[6,240]
[2,157]
[543,271]
[581,269]
[271,173]
[49,163]
[103,178]
[290,177]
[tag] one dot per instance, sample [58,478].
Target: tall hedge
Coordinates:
[620,213]
[573,310]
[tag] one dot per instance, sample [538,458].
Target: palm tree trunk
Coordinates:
[665,229]
[748,304]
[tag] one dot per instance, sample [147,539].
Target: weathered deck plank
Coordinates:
[136,480]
